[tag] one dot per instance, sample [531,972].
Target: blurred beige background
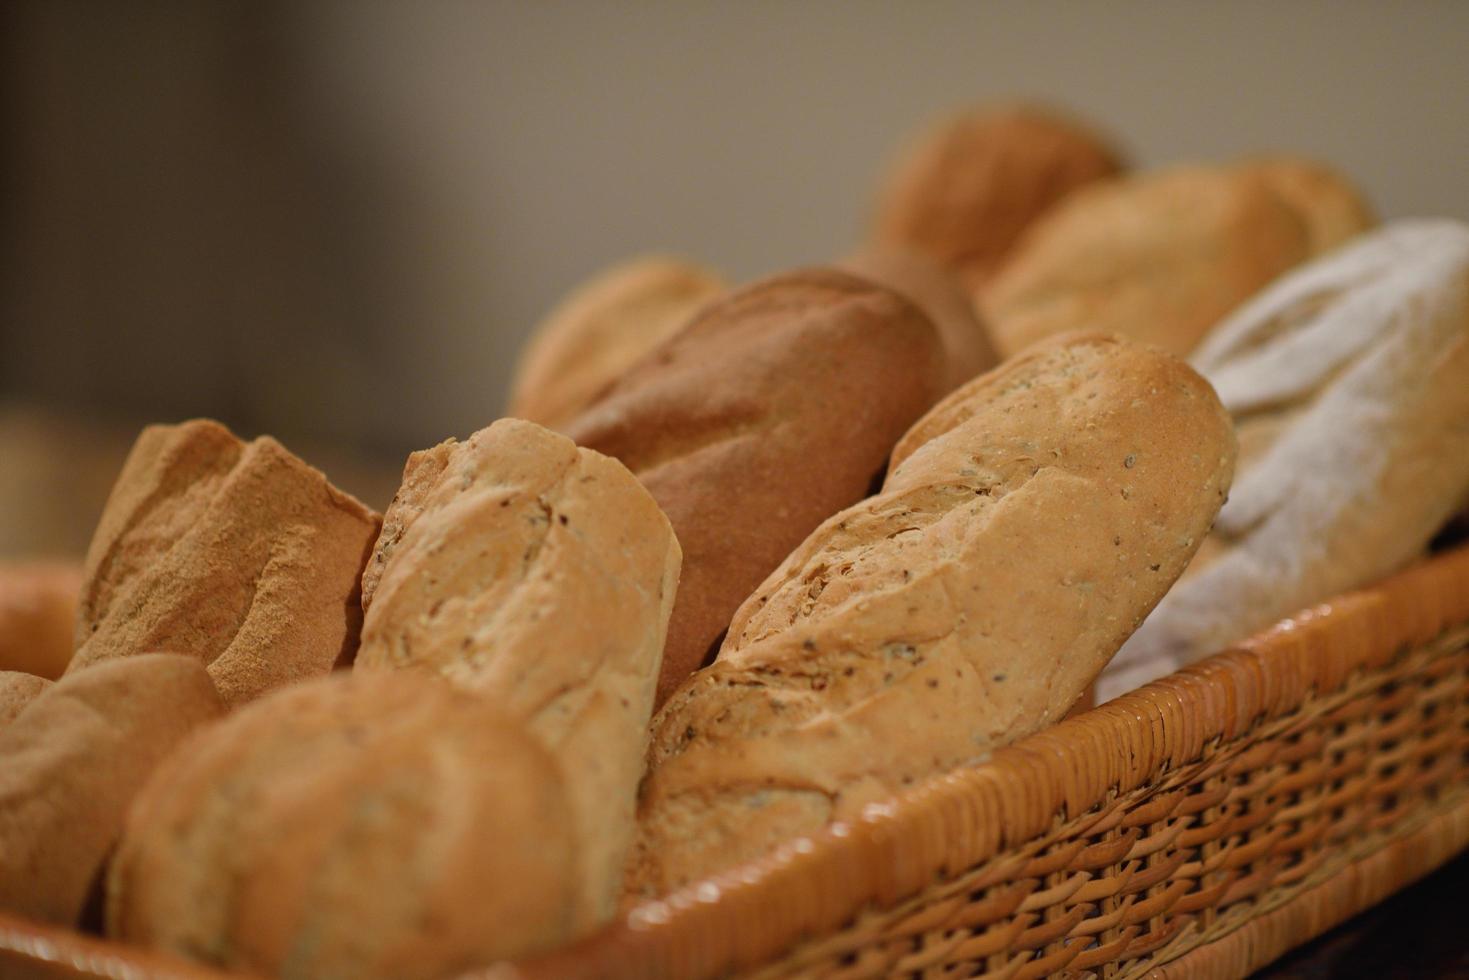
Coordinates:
[335,220]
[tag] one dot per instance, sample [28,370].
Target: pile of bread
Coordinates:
[745,561]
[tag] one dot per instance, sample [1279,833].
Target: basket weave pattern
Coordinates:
[1209,821]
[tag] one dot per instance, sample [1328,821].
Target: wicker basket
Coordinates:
[1199,827]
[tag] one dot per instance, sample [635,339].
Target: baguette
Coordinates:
[770,411]
[1332,208]
[603,328]
[541,576]
[964,194]
[38,608]
[350,826]
[1027,526]
[1159,258]
[72,761]
[1349,381]
[238,554]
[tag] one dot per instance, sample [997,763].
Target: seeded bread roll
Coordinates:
[71,762]
[773,409]
[235,553]
[969,603]
[354,827]
[1350,381]
[541,576]
[603,328]
[18,689]
[965,192]
[1331,207]
[1159,258]
[967,348]
[38,608]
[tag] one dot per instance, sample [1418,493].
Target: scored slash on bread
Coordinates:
[1027,526]
[18,689]
[1349,383]
[770,411]
[540,576]
[238,554]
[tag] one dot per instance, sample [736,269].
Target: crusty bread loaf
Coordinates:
[1332,208]
[966,191]
[773,409]
[1350,381]
[38,608]
[18,689]
[972,601]
[1159,258]
[70,764]
[235,553]
[938,293]
[603,328]
[350,826]
[542,576]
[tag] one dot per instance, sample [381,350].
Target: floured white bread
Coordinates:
[1349,384]
[540,576]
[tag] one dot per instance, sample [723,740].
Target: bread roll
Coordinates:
[603,328]
[967,190]
[775,408]
[235,553]
[18,689]
[70,764]
[1350,377]
[1331,207]
[1027,526]
[542,576]
[350,826]
[929,286]
[1159,258]
[38,608]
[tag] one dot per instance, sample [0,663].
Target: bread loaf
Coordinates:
[1025,529]
[601,330]
[1158,257]
[967,190]
[541,576]
[38,603]
[235,553]
[938,293]
[773,409]
[354,827]
[1349,379]
[18,689]
[1332,208]
[70,764]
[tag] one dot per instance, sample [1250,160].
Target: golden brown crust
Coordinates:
[38,603]
[773,409]
[1332,208]
[603,328]
[1158,258]
[18,689]
[351,826]
[72,762]
[542,576]
[939,294]
[238,554]
[970,602]
[967,190]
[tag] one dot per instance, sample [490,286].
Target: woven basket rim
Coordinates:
[751,914]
